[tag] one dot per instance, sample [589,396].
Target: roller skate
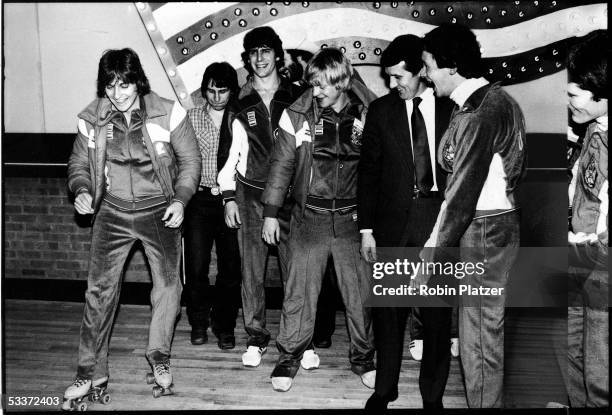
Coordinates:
[82,389]
[162,378]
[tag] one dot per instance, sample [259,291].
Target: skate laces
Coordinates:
[78,382]
[162,368]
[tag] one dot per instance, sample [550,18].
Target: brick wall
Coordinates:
[45,238]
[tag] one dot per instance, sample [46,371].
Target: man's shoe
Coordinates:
[416,349]
[376,404]
[252,357]
[281,383]
[310,360]
[198,336]
[322,343]
[454,347]
[369,379]
[226,341]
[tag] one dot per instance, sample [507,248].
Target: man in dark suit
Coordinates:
[400,192]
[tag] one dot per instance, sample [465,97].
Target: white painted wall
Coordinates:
[51,60]
[52,51]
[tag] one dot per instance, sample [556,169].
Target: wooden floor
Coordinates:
[41,342]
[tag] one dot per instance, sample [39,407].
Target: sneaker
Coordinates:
[78,389]
[281,383]
[455,347]
[310,360]
[416,349]
[252,357]
[369,379]
[161,371]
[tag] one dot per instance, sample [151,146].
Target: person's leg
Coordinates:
[325,323]
[596,341]
[436,356]
[308,253]
[162,248]
[253,252]
[227,285]
[389,325]
[575,357]
[110,244]
[354,285]
[198,238]
[492,241]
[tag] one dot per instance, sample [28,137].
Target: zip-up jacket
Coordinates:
[302,138]
[249,156]
[484,151]
[590,203]
[167,135]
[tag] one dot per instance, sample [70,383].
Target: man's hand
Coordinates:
[270,231]
[82,203]
[368,246]
[173,216]
[232,215]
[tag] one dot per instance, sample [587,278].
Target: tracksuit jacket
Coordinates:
[167,135]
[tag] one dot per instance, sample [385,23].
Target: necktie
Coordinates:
[420,147]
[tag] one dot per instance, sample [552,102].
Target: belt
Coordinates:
[332,205]
[212,190]
[418,194]
[253,183]
[134,205]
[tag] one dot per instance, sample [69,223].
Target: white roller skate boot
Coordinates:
[162,378]
[74,394]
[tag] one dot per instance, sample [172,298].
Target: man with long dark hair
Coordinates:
[134,166]
[205,224]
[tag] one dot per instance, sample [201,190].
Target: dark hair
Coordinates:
[588,64]
[295,71]
[223,75]
[124,65]
[455,46]
[407,48]
[259,37]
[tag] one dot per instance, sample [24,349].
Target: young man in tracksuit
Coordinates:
[587,343]
[245,149]
[134,165]
[317,152]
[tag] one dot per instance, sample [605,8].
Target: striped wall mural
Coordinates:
[521,41]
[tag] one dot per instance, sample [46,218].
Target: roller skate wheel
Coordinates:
[81,407]
[92,398]
[157,392]
[105,399]
[150,378]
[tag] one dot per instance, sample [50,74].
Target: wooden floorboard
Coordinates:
[41,343]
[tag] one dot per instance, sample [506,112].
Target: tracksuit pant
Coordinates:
[113,235]
[314,237]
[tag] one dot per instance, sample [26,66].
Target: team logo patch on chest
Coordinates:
[448,153]
[109,131]
[251,119]
[356,132]
[590,173]
[319,127]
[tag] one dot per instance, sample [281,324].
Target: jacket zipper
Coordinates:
[337,163]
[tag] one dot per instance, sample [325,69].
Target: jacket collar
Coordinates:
[358,93]
[101,111]
[283,93]
[475,100]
